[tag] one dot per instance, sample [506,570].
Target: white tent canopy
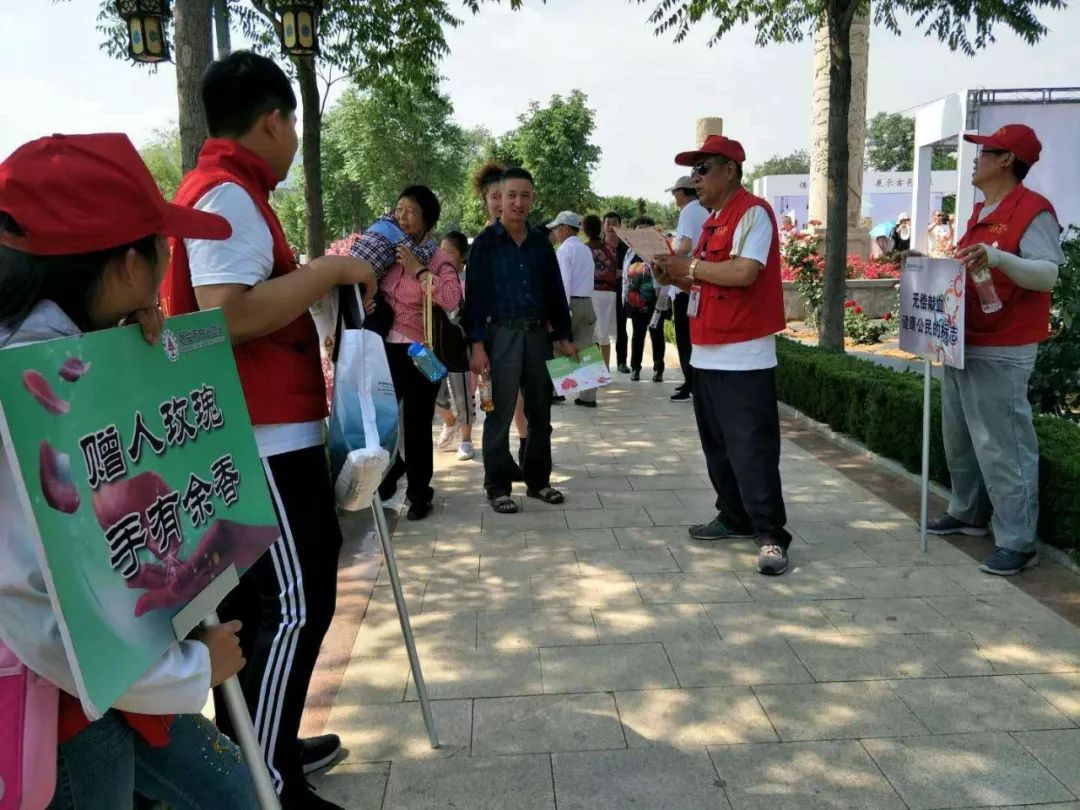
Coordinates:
[1054,114]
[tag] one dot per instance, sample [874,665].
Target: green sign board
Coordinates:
[141,483]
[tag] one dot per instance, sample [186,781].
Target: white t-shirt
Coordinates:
[691,221]
[577,268]
[246,257]
[752,240]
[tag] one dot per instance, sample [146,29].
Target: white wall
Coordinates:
[1057,174]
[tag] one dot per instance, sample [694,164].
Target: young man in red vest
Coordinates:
[736,307]
[286,600]
[990,442]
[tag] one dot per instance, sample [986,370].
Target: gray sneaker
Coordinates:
[772,560]
[1006,563]
[716,529]
[947,524]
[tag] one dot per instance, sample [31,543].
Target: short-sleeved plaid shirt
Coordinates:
[379,252]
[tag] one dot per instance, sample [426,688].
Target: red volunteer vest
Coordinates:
[736,314]
[281,373]
[1025,314]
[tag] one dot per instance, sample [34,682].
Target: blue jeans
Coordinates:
[990,443]
[104,764]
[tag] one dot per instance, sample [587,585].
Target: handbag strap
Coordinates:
[428,285]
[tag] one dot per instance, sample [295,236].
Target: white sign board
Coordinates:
[932,310]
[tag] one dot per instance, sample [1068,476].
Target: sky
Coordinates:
[646,91]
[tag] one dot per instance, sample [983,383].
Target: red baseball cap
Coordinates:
[74,194]
[714,145]
[1019,139]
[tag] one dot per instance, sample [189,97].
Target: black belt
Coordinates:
[519,323]
[581,298]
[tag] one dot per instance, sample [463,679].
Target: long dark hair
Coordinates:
[71,282]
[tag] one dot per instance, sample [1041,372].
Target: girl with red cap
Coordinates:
[83,247]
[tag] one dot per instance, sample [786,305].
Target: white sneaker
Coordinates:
[465,452]
[448,437]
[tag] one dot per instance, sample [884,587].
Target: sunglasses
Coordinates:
[701,169]
[992,152]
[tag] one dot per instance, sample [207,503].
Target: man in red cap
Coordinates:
[736,307]
[286,600]
[990,441]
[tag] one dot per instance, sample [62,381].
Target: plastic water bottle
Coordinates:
[663,304]
[426,362]
[483,388]
[984,287]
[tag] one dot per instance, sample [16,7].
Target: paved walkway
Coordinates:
[593,656]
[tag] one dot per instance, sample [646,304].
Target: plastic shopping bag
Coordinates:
[325,314]
[363,419]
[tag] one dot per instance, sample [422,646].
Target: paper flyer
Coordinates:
[571,377]
[645,242]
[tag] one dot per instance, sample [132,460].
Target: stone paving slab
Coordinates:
[475,783]
[691,718]
[964,770]
[605,668]
[594,655]
[834,711]
[998,703]
[548,723]
[803,776]
[615,780]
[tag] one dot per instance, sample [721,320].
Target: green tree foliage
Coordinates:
[378,141]
[962,25]
[665,214]
[288,203]
[798,162]
[890,145]
[162,156]
[554,143]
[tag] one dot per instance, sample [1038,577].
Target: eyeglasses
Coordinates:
[701,169]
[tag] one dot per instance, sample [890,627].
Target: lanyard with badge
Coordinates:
[694,304]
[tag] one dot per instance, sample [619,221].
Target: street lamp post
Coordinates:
[300,27]
[144,21]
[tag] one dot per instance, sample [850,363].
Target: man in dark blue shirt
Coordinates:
[515,306]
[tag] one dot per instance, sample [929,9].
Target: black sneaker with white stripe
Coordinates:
[317,753]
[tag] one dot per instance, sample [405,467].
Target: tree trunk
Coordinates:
[193,52]
[221,28]
[831,325]
[312,151]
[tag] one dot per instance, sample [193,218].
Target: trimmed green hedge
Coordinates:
[882,408]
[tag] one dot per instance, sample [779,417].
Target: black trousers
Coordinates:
[682,338]
[739,426]
[620,330]
[640,321]
[286,601]
[517,357]
[416,394]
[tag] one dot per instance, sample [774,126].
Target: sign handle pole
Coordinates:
[924,495]
[246,739]
[403,617]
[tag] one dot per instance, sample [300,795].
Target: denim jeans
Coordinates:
[104,764]
[990,443]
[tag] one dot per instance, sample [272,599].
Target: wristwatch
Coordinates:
[693,268]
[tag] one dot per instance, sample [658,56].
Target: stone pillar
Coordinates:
[857,237]
[707,127]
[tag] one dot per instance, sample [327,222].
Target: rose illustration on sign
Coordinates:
[54,474]
[176,581]
[73,369]
[39,388]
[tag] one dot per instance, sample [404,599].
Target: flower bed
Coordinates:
[882,409]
